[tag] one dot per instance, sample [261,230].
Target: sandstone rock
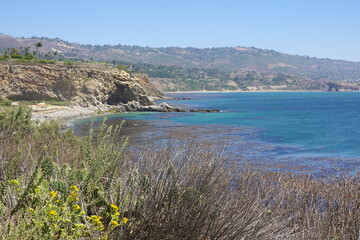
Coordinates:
[84,86]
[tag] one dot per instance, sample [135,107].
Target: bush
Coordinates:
[54,184]
[5,102]
[45,61]
[15,120]
[123,68]
[48,192]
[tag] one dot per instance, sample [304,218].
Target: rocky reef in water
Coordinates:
[163,107]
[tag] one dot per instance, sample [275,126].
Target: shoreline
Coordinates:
[240,91]
[42,113]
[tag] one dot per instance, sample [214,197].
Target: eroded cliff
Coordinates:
[83,85]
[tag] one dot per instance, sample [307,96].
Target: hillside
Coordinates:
[173,78]
[225,59]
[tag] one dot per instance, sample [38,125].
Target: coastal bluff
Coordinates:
[83,85]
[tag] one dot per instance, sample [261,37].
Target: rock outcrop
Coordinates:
[342,87]
[163,107]
[82,85]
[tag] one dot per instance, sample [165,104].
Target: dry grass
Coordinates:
[187,192]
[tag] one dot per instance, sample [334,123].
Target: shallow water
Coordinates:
[309,132]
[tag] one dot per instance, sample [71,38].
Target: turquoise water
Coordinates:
[309,125]
[323,121]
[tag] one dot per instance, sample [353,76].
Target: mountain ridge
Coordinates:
[239,48]
[228,59]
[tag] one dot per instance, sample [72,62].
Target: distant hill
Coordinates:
[227,59]
[173,78]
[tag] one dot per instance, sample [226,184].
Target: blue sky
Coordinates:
[317,28]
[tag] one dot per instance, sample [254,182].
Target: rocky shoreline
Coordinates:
[43,112]
[90,89]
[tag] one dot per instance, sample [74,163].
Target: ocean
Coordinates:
[301,132]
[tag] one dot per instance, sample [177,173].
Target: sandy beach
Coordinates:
[43,112]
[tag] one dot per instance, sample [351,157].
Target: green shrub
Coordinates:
[123,68]
[69,63]
[45,61]
[5,102]
[16,56]
[16,120]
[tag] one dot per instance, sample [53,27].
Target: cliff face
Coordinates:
[342,87]
[84,85]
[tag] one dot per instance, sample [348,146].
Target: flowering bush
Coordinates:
[51,214]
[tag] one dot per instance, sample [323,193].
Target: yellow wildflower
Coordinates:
[74,188]
[73,196]
[117,214]
[52,213]
[125,220]
[114,207]
[76,207]
[115,223]
[95,219]
[14,182]
[53,194]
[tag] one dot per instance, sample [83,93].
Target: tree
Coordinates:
[38,45]
[26,51]
[15,53]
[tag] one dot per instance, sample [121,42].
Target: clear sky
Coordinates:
[316,28]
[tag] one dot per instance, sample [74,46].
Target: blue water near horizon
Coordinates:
[326,122]
[313,125]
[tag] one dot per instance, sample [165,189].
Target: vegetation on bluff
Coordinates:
[226,59]
[54,184]
[188,78]
[27,55]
